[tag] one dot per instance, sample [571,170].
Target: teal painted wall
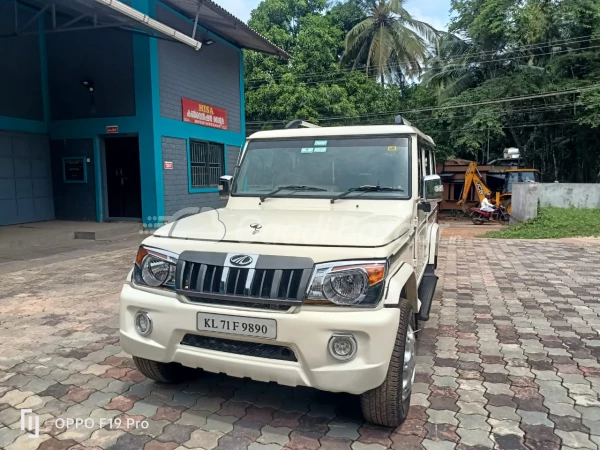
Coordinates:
[147,122]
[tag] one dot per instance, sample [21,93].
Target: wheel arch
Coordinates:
[402,285]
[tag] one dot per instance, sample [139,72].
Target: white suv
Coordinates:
[315,273]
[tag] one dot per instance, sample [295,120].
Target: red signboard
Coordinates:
[203,114]
[112,129]
[168,165]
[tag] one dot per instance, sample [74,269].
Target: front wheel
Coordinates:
[388,404]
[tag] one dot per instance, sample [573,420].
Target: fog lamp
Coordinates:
[143,323]
[342,346]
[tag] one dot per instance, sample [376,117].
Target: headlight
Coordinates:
[155,267]
[347,283]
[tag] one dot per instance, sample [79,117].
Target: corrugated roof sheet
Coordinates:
[218,20]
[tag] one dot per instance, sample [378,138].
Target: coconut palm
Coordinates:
[389,38]
[456,65]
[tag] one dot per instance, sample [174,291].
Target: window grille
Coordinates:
[207,163]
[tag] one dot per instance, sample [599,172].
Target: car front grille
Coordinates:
[233,303]
[274,280]
[258,350]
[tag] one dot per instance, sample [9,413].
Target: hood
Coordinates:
[314,228]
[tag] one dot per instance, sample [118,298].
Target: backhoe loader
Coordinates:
[473,177]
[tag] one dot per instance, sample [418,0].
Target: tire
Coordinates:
[163,372]
[508,206]
[476,219]
[385,404]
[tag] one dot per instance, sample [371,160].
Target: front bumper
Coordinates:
[306,332]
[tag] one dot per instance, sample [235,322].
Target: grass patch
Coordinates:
[553,223]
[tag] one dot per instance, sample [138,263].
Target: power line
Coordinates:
[547,108]
[464,105]
[325,74]
[340,77]
[504,127]
[577,39]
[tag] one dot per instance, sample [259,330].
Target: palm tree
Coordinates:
[388,38]
[456,65]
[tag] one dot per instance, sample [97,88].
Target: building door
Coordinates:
[25,179]
[123,180]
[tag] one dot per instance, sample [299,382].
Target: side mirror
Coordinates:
[433,190]
[225,186]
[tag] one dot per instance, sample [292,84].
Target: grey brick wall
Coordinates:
[211,75]
[176,188]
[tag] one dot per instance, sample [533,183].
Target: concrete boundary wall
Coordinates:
[527,196]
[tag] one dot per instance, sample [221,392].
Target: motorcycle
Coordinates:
[479,217]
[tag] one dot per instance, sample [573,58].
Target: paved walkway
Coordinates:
[510,359]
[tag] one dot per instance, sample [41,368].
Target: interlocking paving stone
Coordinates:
[505,427]
[535,418]
[438,445]
[474,438]
[223,424]
[203,439]
[509,358]
[8,436]
[473,422]
[360,446]
[442,416]
[575,439]
[272,435]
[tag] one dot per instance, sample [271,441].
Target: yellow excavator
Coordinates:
[473,178]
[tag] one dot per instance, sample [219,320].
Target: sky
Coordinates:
[434,12]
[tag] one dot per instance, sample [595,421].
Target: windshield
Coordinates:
[520,177]
[331,166]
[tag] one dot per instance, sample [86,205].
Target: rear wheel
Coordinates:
[163,372]
[388,404]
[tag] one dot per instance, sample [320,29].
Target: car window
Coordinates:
[333,164]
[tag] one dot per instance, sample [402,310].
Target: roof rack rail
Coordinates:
[300,124]
[399,120]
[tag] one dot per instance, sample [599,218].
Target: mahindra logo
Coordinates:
[241,260]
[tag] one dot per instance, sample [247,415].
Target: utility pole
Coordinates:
[488,150]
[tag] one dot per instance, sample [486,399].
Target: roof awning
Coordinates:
[221,22]
[95,14]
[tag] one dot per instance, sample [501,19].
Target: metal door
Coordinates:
[25,179]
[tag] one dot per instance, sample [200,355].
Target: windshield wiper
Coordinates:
[365,188]
[291,188]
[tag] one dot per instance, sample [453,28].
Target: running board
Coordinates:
[426,293]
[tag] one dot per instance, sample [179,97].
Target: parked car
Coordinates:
[315,273]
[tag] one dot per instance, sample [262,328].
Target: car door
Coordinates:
[422,216]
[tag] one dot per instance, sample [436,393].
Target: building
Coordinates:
[118,110]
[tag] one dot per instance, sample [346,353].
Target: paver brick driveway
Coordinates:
[510,359]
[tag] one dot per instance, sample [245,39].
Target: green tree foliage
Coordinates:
[494,50]
[388,40]
[313,85]
[499,49]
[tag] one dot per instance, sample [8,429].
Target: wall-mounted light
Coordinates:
[208,42]
[89,85]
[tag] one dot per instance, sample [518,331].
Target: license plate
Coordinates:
[245,326]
